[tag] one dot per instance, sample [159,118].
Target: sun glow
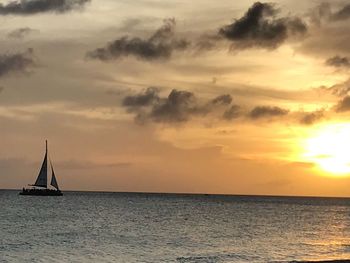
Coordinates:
[329,148]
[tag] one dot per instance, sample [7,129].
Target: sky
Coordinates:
[225,97]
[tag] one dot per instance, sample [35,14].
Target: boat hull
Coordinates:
[41,192]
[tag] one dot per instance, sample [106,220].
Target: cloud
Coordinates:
[20,32]
[232,113]
[159,46]
[225,99]
[310,118]
[323,12]
[149,97]
[343,104]
[340,89]
[342,14]
[259,28]
[320,12]
[29,7]
[338,62]
[261,112]
[179,106]
[85,164]
[20,62]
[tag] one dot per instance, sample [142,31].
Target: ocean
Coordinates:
[135,227]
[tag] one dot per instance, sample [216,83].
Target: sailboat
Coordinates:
[40,186]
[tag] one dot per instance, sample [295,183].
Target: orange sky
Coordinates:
[234,98]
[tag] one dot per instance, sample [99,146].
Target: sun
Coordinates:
[329,149]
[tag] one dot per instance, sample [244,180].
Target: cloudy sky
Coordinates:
[236,97]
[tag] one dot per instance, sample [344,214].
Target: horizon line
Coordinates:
[193,193]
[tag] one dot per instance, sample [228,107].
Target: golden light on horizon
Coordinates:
[329,149]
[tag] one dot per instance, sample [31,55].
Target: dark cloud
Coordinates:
[149,97]
[179,106]
[219,102]
[342,14]
[338,62]
[310,118]
[261,112]
[343,104]
[259,28]
[20,32]
[29,7]
[232,113]
[176,108]
[21,62]
[160,45]
[222,100]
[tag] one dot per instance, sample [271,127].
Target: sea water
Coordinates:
[127,227]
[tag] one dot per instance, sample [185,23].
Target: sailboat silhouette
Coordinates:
[40,185]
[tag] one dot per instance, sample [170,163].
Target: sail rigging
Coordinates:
[41,180]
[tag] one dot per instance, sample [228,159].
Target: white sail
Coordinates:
[53,178]
[41,181]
